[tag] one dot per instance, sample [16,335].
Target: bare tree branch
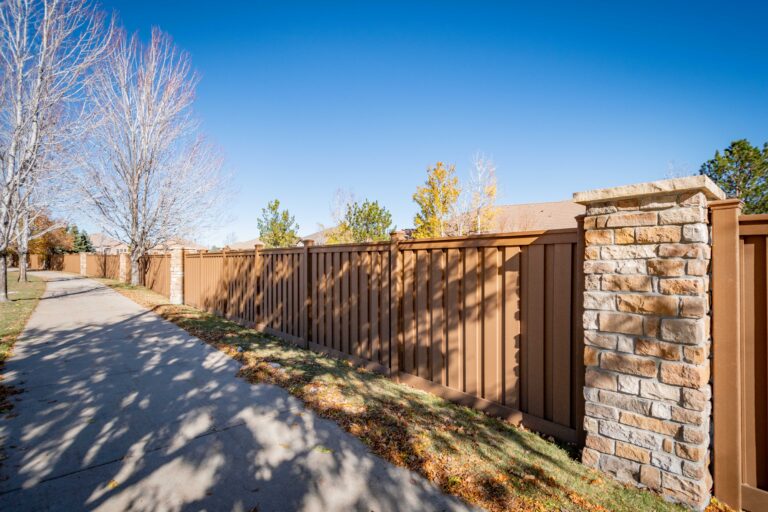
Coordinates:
[47,49]
[147,175]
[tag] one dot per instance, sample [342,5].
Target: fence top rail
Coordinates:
[282,250]
[219,254]
[495,239]
[759,218]
[371,247]
[750,225]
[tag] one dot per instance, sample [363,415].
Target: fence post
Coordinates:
[726,357]
[395,295]
[83,263]
[177,276]
[258,284]
[224,295]
[646,321]
[124,268]
[306,290]
[578,328]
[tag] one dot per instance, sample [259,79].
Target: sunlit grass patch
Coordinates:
[13,317]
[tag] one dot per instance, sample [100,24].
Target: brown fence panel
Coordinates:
[349,288]
[740,356]
[102,265]
[492,321]
[280,293]
[155,273]
[755,359]
[488,322]
[36,261]
[71,263]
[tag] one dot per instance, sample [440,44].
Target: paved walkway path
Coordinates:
[122,410]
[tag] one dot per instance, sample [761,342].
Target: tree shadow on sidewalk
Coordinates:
[135,414]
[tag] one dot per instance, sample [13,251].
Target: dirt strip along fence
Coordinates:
[492,322]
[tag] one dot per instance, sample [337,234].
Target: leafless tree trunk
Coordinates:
[148,177]
[483,189]
[474,211]
[22,244]
[46,49]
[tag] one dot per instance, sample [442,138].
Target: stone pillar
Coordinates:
[124,272]
[177,276]
[646,321]
[83,263]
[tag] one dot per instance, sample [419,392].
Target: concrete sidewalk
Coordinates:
[122,410]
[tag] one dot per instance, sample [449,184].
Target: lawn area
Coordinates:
[13,317]
[483,460]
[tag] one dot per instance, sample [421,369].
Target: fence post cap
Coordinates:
[661,187]
[726,204]
[308,242]
[259,246]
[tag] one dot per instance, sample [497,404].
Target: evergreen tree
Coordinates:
[742,171]
[363,222]
[81,243]
[277,228]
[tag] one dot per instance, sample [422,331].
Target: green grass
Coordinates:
[14,314]
[13,317]
[485,461]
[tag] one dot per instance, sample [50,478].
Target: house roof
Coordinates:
[104,241]
[246,245]
[179,243]
[537,216]
[319,237]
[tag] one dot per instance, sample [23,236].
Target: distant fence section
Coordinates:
[155,273]
[102,265]
[71,263]
[493,322]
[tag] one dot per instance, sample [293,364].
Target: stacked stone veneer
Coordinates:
[124,268]
[646,321]
[83,263]
[177,276]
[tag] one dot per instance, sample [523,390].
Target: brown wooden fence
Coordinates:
[493,322]
[102,265]
[71,263]
[155,273]
[740,328]
[222,283]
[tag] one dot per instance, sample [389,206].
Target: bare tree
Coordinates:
[147,175]
[50,193]
[474,211]
[47,48]
[483,190]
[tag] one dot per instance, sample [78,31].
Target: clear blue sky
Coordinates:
[305,98]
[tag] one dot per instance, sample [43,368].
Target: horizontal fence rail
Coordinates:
[492,321]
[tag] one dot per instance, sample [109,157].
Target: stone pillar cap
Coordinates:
[654,188]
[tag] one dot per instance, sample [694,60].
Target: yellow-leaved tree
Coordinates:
[436,200]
